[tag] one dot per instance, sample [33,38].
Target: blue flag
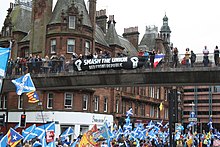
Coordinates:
[67,132]
[24,84]
[4,55]
[129,112]
[28,133]
[41,130]
[4,141]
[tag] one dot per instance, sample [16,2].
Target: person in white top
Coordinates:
[205,56]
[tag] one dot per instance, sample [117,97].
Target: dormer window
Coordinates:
[72,22]
[7,31]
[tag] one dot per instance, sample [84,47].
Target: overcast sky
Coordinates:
[194,23]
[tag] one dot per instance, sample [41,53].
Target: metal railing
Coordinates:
[57,66]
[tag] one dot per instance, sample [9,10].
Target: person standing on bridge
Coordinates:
[175,57]
[152,57]
[216,55]
[192,58]
[187,57]
[205,56]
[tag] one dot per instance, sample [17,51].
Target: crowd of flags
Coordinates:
[156,132]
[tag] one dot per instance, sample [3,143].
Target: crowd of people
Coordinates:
[35,64]
[190,57]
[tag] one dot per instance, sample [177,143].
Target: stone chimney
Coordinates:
[92,12]
[101,19]
[159,44]
[132,35]
[41,15]
[111,20]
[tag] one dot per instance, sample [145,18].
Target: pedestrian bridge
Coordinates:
[121,78]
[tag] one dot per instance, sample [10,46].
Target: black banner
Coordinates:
[107,63]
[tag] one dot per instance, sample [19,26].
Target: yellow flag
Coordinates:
[161,106]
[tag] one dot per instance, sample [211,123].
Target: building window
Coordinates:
[68,100]
[20,102]
[142,91]
[151,92]
[53,44]
[166,113]
[158,93]
[70,45]
[85,101]
[124,107]
[105,104]
[96,103]
[166,94]
[117,106]
[136,109]
[87,48]
[152,111]
[72,22]
[3,102]
[157,112]
[142,110]
[50,100]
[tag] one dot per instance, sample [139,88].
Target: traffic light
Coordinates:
[2,120]
[23,121]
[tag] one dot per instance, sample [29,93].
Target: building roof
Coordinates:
[27,37]
[148,40]
[19,13]
[100,37]
[112,36]
[129,47]
[63,5]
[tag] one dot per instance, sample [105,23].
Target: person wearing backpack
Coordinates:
[192,58]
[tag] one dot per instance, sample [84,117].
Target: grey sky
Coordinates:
[194,23]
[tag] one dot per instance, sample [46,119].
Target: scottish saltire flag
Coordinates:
[41,130]
[129,112]
[150,125]
[33,97]
[24,84]
[160,124]
[157,59]
[28,133]
[69,131]
[13,137]
[4,55]
[166,125]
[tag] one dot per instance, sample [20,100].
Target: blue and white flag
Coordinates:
[24,84]
[129,112]
[4,55]
[67,132]
[28,133]
[41,130]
